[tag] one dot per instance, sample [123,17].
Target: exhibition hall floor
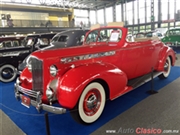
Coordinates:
[127,114]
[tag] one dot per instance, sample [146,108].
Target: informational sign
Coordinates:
[114,37]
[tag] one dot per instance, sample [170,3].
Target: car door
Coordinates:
[150,55]
[151,52]
[132,63]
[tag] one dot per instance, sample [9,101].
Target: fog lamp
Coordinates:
[49,93]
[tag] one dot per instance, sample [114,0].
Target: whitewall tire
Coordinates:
[167,69]
[91,104]
[8,73]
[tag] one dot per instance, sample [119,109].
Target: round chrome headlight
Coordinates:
[53,70]
[49,93]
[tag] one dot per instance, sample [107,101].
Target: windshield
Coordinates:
[103,35]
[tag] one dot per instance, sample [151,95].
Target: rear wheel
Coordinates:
[90,105]
[7,73]
[167,69]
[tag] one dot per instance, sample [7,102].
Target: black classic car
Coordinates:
[14,52]
[61,40]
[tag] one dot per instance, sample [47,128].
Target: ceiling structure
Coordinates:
[96,4]
[79,4]
[99,4]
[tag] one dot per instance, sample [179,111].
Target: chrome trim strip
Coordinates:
[87,56]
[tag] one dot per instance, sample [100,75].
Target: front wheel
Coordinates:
[167,69]
[7,73]
[90,105]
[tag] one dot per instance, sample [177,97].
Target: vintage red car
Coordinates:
[81,78]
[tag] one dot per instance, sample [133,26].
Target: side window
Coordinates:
[1,44]
[63,39]
[15,43]
[7,44]
[104,35]
[170,33]
[159,35]
[55,39]
[177,32]
[167,33]
[92,37]
[30,42]
[43,41]
[80,40]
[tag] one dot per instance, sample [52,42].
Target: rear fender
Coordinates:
[73,82]
[167,52]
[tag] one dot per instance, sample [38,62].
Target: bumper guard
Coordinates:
[38,103]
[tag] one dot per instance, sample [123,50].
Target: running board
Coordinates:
[134,83]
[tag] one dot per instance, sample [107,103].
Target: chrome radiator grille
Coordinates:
[37,74]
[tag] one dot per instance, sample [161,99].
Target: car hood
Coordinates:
[22,65]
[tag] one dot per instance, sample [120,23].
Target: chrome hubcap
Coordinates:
[92,102]
[7,73]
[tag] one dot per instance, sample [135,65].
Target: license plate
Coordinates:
[26,101]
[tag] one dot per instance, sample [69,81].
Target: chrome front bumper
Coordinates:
[38,103]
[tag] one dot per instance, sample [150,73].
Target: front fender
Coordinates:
[166,52]
[73,82]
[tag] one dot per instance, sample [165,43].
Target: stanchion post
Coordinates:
[152,91]
[47,123]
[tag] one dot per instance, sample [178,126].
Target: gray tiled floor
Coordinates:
[8,127]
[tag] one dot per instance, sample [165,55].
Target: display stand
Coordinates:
[47,123]
[152,91]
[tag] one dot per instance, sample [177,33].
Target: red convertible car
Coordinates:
[82,78]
